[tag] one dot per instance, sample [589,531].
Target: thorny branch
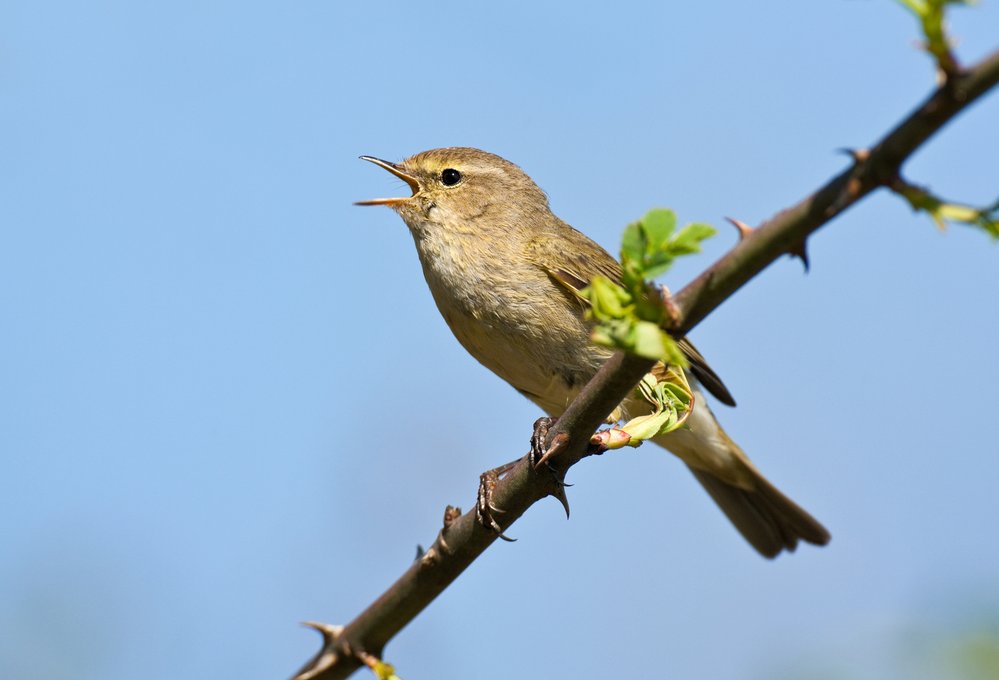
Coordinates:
[463,538]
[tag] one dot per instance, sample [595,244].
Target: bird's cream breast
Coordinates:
[504,315]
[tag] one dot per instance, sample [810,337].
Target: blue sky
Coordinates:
[229,404]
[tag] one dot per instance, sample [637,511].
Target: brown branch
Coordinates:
[464,539]
[877,167]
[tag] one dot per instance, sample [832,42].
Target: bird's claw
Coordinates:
[541,456]
[538,450]
[484,509]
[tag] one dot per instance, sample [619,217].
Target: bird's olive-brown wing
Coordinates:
[580,259]
[704,373]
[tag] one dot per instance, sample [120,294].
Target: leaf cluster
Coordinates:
[671,400]
[632,316]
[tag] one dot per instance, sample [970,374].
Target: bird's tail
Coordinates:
[768,519]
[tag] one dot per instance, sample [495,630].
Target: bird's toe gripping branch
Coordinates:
[542,453]
[485,511]
[539,457]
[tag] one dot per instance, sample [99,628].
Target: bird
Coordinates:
[504,272]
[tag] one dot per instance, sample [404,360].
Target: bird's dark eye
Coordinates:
[450,177]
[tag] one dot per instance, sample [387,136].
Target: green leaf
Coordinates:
[646,427]
[678,393]
[648,340]
[645,249]
[658,266]
[671,400]
[688,241]
[607,299]
[633,243]
[658,224]
[650,245]
[667,351]
[942,212]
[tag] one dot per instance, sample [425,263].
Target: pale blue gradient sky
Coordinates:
[229,403]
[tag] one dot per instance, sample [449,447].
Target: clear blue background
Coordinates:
[229,404]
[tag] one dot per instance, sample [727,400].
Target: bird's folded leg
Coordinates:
[484,509]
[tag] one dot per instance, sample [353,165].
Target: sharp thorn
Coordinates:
[558,443]
[329,632]
[562,498]
[744,229]
[801,252]
[858,155]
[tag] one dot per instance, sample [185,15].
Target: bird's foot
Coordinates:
[541,456]
[484,510]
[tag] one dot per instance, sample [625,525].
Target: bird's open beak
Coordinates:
[398,172]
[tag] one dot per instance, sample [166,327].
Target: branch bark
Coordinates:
[463,539]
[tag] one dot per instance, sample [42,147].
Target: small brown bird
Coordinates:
[498,261]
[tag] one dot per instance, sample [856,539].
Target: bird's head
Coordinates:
[463,188]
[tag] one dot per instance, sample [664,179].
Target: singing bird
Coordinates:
[501,267]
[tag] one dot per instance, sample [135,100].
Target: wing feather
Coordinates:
[574,268]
